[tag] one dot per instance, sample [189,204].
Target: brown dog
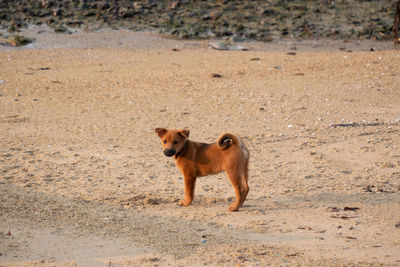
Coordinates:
[194,159]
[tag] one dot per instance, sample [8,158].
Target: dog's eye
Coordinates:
[165,141]
[175,142]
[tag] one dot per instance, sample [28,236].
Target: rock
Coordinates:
[173,5]
[126,13]
[214,15]
[76,23]
[138,7]
[205,17]
[226,45]
[3,15]
[57,12]
[89,13]
[19,40]
[219,45]
[83,5]
[60,29]
[103,6]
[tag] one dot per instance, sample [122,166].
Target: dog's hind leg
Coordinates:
[244,180]
[237,185]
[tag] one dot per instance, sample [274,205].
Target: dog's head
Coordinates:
[172,141]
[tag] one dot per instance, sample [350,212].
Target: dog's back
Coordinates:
[228,152]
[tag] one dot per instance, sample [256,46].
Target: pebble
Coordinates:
[2,82]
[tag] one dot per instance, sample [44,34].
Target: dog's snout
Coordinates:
[169,152]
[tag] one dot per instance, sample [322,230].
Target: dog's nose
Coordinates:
[169,152]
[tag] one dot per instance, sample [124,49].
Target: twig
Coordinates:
[365,124]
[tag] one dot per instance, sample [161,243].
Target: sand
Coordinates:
[84,182]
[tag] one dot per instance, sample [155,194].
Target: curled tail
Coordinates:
[226,140]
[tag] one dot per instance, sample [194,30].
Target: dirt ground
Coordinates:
[84,182]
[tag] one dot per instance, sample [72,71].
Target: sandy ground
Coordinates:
[84,182]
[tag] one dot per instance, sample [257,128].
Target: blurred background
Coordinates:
[184,19]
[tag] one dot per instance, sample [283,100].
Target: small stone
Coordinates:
[60,28]
[216,75]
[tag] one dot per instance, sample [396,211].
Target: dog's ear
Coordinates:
[184,133]
[161,131]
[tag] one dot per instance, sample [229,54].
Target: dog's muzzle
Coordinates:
[169,152]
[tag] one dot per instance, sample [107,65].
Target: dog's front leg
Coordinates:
[190,182]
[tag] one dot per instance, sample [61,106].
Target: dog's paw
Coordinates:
[234,207]
[184,203]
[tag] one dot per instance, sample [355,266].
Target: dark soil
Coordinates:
[256,20]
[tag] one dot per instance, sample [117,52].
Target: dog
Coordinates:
[195,159]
